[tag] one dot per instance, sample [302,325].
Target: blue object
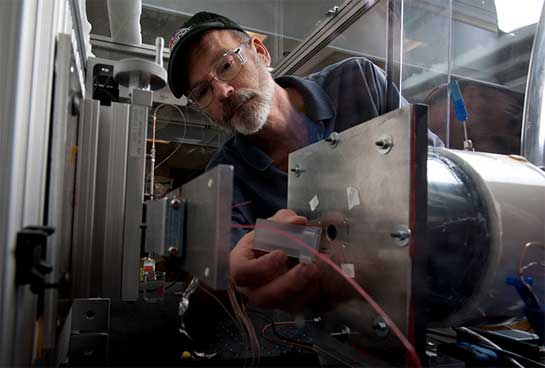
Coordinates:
[458,101]
[533,311]
[479,353]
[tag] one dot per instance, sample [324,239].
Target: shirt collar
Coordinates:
[318,107]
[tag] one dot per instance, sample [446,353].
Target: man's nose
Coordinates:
[222,89]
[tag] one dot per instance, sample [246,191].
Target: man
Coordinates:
[224,73]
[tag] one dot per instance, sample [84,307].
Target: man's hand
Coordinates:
[267,280]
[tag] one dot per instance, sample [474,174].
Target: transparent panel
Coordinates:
[281,24]
[426,54]
[366,37]
[486,47]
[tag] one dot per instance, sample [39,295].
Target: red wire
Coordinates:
[241,204]
[406,344]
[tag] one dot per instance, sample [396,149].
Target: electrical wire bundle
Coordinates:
[412,356]
[244,324]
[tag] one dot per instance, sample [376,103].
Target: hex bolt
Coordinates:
[381,327]
[297,170]
[384,144]
[402,234]
[333,139]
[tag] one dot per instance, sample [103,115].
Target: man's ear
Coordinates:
[261,50]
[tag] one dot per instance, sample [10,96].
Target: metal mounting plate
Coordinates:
[361,195]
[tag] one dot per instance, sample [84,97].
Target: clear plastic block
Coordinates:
[270,235]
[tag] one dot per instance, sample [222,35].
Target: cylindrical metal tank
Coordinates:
[482,210]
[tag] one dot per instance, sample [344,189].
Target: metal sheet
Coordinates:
[156,212]
[84,210]
[90,315]
[208,213]
[165,222]
[361,193]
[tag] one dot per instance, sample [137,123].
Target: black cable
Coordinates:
[313,347]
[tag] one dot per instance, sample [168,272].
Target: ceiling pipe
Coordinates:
[124,17]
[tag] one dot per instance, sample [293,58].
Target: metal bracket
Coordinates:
[30,255]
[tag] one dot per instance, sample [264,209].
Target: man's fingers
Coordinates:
[288,217]
[258,271]
[282,290]
[243,249]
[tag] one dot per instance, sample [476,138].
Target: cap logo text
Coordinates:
[176,36]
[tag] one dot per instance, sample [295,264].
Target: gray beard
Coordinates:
[246,110]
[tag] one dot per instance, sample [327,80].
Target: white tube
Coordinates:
[124,17]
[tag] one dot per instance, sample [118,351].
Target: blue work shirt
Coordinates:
[337,98]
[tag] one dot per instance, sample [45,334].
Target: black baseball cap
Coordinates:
[196,25]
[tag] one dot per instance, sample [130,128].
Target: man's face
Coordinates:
[242,104]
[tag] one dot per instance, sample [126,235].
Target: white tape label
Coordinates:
[314,202]
[353,197]
[348,269]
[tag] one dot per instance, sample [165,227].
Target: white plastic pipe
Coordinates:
[124,16]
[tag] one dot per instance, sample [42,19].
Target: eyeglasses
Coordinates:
[226,69]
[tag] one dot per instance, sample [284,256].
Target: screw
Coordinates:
[206,272]
[297,170]
[345,330]
[210,182]
[333,139]
[175,203]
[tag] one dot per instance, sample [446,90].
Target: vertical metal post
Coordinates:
[82,252]
[141,100]
[394,53]
[110,200]
[533,121]
[61,177]
[15,128]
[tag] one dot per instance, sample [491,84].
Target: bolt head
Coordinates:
[333,139]
[384,144]
[297,170]
[381,327]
